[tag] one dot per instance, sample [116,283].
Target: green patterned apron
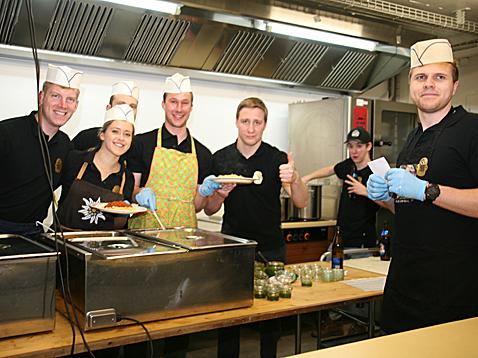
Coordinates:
[173,178]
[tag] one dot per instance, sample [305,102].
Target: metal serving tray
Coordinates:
[191,238]
[116,274]
[27,286]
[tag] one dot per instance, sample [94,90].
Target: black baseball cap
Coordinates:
[359,134]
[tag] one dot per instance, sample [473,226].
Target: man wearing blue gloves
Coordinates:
[253,211]
[168,163]
[432,276]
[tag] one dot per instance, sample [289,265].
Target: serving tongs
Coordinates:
[158,220]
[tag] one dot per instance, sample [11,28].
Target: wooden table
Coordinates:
[304,300]
[454,339]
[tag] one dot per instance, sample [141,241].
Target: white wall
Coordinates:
[212,121]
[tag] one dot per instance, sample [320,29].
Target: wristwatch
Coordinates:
[432,192]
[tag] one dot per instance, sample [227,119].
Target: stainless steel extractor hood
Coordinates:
[227,42]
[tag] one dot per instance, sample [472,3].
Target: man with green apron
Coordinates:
[168,163]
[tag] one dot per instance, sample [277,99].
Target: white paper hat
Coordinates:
[64,76]
[120,112]
[178,83]
[430,51]
[127,88]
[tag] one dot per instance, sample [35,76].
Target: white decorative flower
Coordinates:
[90,213]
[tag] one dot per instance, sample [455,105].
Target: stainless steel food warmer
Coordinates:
[27,286]
[114,274]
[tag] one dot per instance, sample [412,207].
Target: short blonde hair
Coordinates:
[252,102]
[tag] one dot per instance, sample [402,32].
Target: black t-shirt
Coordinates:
[25,193]
[356,216]
[140,155]
[253,211]
[75,160]
[432,277]
[86,139]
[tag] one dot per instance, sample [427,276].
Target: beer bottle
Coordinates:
[384,245]
[337,250]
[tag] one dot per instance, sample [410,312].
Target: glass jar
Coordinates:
[260,291]
[327,275]
[338,274]
[306,280]
[273,293]
[274,266]
[285,291]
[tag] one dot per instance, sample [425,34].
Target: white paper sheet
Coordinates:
[368,284]
[379,166]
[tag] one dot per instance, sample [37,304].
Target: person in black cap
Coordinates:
[356,216]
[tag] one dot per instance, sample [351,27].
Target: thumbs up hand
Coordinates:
[287,172]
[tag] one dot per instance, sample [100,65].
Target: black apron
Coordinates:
[76,213]
[417,291]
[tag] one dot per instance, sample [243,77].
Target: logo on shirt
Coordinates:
[116,189]
[58,165]
[89,212]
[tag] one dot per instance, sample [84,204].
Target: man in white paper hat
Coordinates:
[99,175]
[432,277]
[25,189]
[122,92]
[168,164]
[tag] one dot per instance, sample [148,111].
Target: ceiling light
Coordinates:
[166,7]
[321,36]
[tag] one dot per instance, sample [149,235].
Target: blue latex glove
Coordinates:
[208,186]
[146,198]
[405,184]
[377,188]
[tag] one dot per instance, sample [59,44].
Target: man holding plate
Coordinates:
[252,211]
[168,163]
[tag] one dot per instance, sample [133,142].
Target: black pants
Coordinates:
[228,340]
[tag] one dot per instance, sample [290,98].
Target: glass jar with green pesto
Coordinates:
[273,267]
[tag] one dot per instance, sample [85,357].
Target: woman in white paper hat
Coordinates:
[432,276]
[98,176]
[25,188]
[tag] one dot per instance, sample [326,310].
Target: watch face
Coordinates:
[432,192]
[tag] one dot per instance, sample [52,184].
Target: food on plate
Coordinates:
[232,176]
[118,204]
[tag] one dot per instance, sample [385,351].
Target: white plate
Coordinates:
[233,180]
[134,209]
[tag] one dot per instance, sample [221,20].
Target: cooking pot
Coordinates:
[312,211]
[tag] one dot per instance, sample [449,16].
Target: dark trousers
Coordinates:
[228,342]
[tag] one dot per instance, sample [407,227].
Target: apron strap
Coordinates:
[123,180]
[82,171]
[159,141]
